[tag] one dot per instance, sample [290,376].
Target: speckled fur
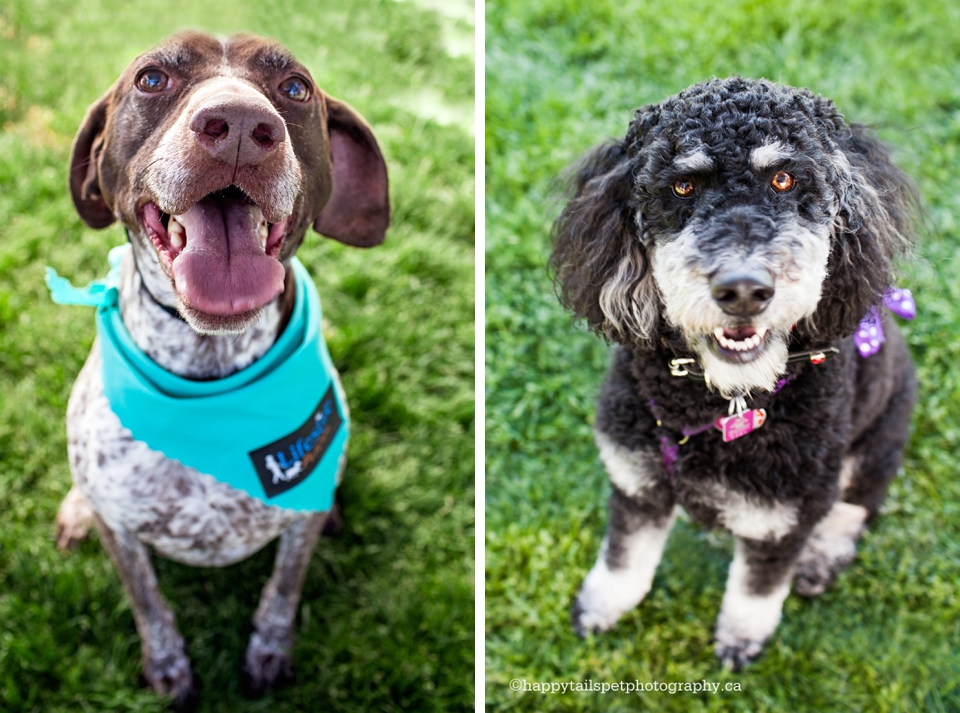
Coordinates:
[635,261]
[185,515]
[135,496]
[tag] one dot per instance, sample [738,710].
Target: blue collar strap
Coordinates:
[276,430]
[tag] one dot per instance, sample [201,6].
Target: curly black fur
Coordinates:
[834,432]
[620,185]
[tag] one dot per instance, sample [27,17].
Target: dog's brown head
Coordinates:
[217,155]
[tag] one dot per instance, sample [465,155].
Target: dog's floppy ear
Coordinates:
[599,262]
[876,205]
[84,178]
[358,212]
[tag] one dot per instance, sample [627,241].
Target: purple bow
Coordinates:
[869,335]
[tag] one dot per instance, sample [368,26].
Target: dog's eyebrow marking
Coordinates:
[173,58]
[697,160]
[277,60]
[765,156]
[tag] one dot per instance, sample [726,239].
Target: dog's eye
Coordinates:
[152,81]
[295,88]
[684,188]
[782,182]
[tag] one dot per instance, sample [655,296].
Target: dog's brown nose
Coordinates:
[740,293]
[238,131]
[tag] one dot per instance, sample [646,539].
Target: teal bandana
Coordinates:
[276,430]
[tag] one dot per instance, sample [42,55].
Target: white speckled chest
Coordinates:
[185,515]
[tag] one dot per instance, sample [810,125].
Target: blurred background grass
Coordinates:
[386,621]
[562,76]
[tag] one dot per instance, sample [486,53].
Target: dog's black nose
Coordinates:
[740,293]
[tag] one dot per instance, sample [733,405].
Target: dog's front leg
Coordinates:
[269,652]
[165,663]
[757,585]
[631,550]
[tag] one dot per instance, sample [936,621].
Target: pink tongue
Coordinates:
[223,269]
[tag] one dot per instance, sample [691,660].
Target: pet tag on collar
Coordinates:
[740,424]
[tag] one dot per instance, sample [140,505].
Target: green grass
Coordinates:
[562,76]
[386,621]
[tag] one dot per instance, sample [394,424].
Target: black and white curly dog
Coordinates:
[730,244]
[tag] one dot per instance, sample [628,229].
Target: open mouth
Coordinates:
[222,252]
[741,344]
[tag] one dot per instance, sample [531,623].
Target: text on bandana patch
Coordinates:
[289,460]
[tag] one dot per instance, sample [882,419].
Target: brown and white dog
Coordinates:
[217,155]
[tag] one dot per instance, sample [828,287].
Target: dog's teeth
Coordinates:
[739,345]
[177,234]
[264,232]
[761,332]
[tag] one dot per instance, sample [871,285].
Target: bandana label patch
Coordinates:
[289,460]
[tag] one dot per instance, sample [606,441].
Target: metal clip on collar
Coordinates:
[678,366]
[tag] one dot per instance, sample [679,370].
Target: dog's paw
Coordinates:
[74,520]
[171,676]
[736,654]
[821,562]
[830,549]
[745,624]
[815,574]
[607,594]
[267,662]
[587,619]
